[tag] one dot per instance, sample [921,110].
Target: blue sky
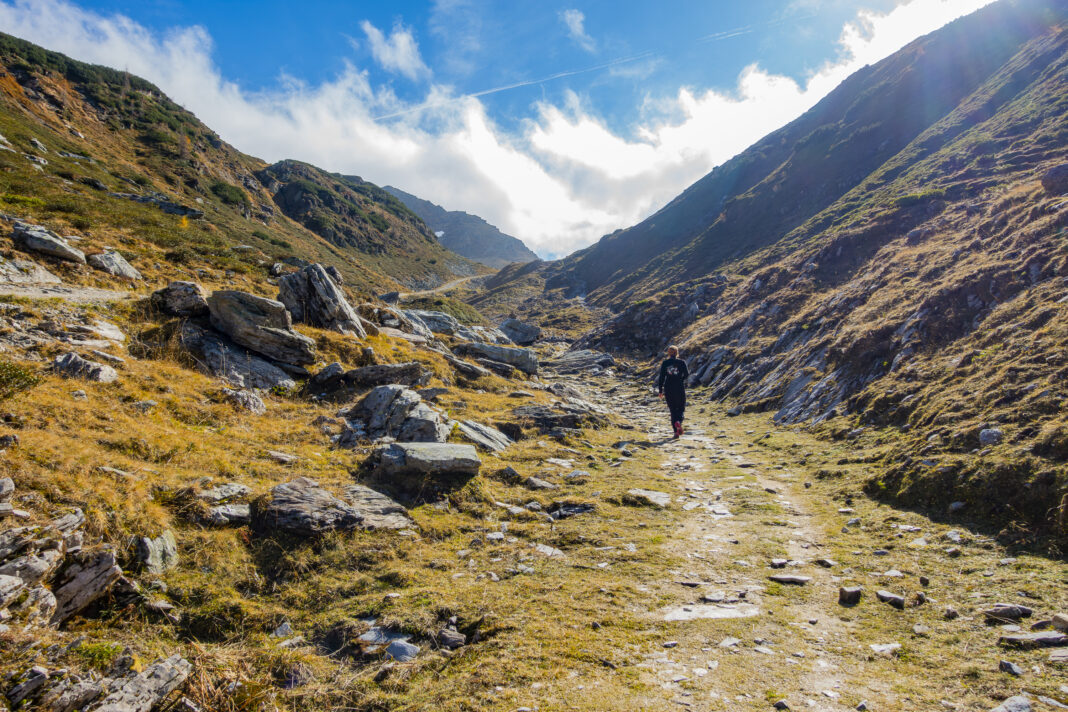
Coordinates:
[558,122]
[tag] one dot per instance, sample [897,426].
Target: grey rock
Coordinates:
[72,365]
[886,649]
[536,483]
[1005,612]
[1060,622]
[260,324]
[519,332]
[437,322]
[1017,703]
[144,691]
[451,639]
[338,384]
[30,683]
[228,515]
[791,579]
[114,264]
[32,569]
[313,297]
[303,508]
[581,361]
[402,651]
[393,411]
[157,555]
[564,510]
[86,577]
[34,238]
[484,437]
[25,272]
[238,367]
[226,492]
[11,587]
[990,436]
[957,506]
[849,595]
[377,510]
[245,400]
[1010,667]
[526,360]
[435,459]
[7,488]
[650,497]
[483,335]
[181,299]
[466,368]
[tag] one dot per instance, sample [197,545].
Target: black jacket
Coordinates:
[673,375]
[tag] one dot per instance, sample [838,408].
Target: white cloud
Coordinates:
[397,53]
[559,183]
[575,22]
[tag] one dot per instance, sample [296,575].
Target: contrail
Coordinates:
[516,85]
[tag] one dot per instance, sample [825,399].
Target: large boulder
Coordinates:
[434,459]
[582,361]
[483,335]
[520,332]
[260,324]
[72,365]
[181,299]
[25,272]
[526,360]
[435,321]
[114,264]
[157,555]
[34,238]
[87,576]
[392,411]
[313,297]
[1055,180]
[303,508]
[223,359]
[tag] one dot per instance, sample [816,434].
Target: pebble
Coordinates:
[950,614]
[893,599]
[791,579]
[849,595]
[1011,668]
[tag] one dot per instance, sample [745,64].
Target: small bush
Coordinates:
[98,656]
[12,199]
[15,379]
[229,194]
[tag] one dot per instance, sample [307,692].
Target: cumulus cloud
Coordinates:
[575,22]
[559,183]
[397,53]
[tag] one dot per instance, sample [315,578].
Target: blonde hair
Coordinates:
[673,350]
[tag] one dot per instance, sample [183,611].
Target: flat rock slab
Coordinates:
[144,691]
[484,436]
[1019,703]
[791,579]
[1026,641]
[710,611]
[439,459]
[650,497]
[378,510]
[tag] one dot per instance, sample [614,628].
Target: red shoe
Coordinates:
[682,430]
[677,427]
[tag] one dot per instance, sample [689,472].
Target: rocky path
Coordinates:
[440,289]
[750,616]
[75,295]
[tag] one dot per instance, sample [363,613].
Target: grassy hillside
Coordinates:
[79,134]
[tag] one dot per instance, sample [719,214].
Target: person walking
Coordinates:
[672,387]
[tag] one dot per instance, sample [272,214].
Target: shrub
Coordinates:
[12,199]
[15,379]
[229,194]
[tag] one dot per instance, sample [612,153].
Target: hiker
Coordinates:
[672,387]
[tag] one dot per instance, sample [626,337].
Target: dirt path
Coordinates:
[748,507]
[438,290]
[76,295]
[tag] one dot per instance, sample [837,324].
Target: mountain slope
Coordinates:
[95,152]
[466,234]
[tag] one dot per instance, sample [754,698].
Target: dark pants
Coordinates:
[676,403]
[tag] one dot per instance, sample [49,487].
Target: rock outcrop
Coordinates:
[223,359]
[376,509]
[484,436]
[41,240]
[336,383]
[521,333]
[25,272]
[313,297]
[582,361]
[392,411]
[303,508]
[261,325]
[526,360]
[72,365]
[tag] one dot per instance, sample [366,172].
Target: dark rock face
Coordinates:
[1055,180]
[396,412]
[521,333]
[161,202]
[337,384]
[221,358]
[260,324]
[312,296]
[181,299]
